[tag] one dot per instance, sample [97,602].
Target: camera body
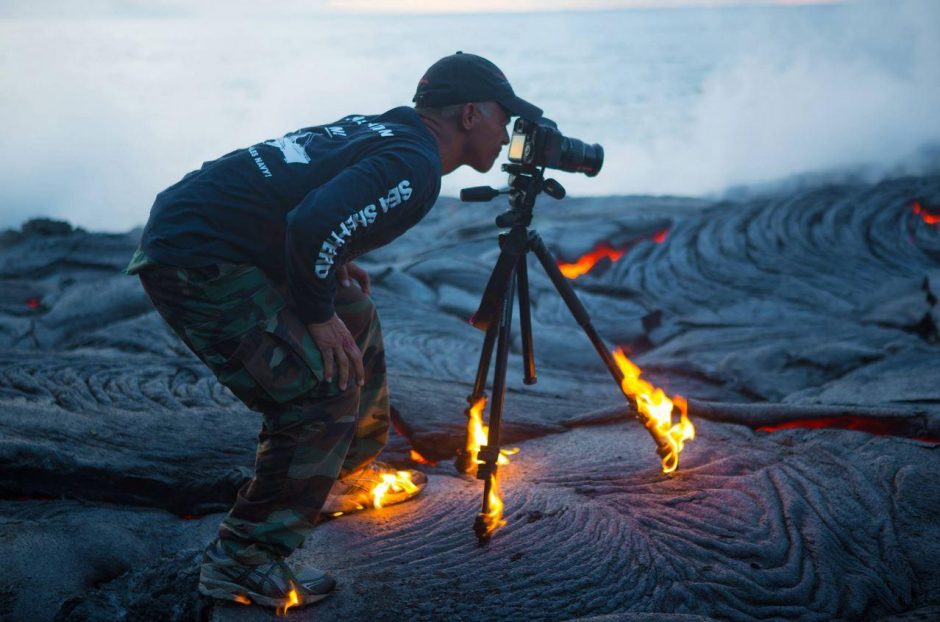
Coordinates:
[536,145]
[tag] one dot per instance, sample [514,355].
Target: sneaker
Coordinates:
[274,584]
[355,491]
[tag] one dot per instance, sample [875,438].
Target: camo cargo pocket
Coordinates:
[254,343]
[282,358]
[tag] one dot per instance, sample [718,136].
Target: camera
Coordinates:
[536,144]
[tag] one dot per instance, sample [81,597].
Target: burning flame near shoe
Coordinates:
[399,481]
[293,599]
[655,410]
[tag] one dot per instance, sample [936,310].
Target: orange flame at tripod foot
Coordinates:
[493,519]
[293,598]
[399,481]
[655,411]
[478,435]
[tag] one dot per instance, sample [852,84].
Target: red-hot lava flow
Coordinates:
[603,250]
[871,425]
[587,261]
[928,217]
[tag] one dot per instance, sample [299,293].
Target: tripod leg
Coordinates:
[537,245]
[525,321]
[462,462]
[490,454]
[486,354]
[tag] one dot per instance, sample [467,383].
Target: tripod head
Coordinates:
[525,184]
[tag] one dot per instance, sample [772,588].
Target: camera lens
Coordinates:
[578,157]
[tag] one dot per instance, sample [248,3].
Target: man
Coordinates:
[248,261]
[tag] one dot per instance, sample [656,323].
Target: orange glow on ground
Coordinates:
[417,457]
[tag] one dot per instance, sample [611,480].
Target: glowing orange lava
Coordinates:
[584,264]
[871,425]
[928,217]
[655,410]
[241,599]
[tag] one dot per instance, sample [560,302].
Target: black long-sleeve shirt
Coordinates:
[300,205]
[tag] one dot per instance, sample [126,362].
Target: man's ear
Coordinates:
[468,116]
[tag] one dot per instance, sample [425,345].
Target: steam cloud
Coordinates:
[101,114]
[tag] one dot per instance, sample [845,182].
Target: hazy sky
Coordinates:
[105,103]
[158,8]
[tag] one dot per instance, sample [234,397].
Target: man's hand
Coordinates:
[339,349]
[352,271]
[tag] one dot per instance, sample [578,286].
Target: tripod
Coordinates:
[508,280]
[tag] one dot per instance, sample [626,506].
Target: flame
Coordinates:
[478,435]
[493,519]
[396,482]
[417,457]
[587,261]
[655,409]
[928,217]
[242,599]
[293,598]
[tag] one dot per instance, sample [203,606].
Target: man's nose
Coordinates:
[505,137]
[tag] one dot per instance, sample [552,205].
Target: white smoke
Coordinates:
[101,114]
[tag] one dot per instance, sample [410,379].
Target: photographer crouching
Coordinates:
[249,261]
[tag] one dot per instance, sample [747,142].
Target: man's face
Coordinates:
[487,135]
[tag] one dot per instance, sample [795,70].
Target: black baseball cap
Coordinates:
[461,78]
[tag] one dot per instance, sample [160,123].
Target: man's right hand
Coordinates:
[338,349]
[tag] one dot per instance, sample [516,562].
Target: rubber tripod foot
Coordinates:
[479,528]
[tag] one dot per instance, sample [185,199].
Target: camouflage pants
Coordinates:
[241,325]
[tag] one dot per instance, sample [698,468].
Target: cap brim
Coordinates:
[519,107]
